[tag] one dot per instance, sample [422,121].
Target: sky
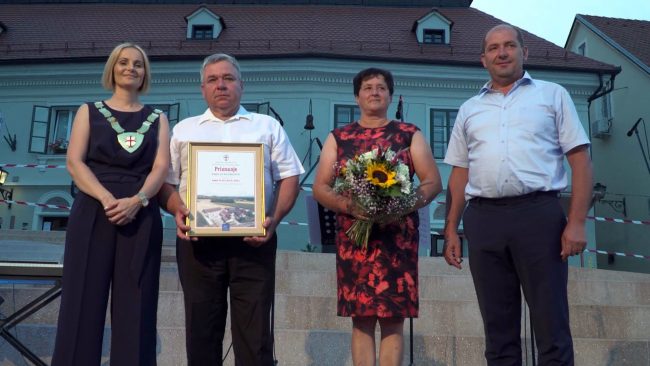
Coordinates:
[552,19]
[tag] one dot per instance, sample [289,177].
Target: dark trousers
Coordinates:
[207,269]
[513,243]
[98,257]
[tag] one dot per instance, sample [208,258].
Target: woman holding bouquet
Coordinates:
[376,275]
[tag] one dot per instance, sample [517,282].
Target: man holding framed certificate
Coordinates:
[235,171]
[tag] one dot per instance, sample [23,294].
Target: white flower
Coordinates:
[406,187]
[368,156]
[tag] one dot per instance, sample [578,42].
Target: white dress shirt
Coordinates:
[515,143]
[280,159]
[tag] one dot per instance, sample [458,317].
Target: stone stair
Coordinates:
[610,317]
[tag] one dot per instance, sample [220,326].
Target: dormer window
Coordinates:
[202,31]
[435,36]
[433,28]
[203,24]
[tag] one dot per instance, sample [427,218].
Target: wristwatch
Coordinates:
[143,199]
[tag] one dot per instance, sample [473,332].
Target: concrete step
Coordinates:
[436,283]
[332,348]
[437,317]
[610,316]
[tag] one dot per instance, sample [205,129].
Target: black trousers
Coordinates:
[515,243]
[99,256]
[207,269]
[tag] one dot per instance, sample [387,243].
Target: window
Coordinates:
[442,121]
[435,36]
[55,219]
[262,108]
[344,114]
[51,128]
[63,125]
[202,31]
[171,111]
[582,49]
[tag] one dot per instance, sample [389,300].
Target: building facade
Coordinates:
[296,60]
[618,126]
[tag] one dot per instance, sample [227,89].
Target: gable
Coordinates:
[624,35]
[204,24]
[434,25]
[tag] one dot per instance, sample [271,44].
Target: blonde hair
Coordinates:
[108,80]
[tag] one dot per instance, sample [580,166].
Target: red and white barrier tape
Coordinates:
[602,219]
[619,221]
[62,207]
[618,253]
[295,223]
[46,166]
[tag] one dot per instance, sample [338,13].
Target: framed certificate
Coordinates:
[225,189]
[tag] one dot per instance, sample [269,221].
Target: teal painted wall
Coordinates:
[288,84]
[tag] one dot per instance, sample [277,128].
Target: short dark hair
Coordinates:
[520,36]
[371,72]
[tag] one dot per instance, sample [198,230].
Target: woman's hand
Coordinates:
[356,210]
[108,202]
[123,211]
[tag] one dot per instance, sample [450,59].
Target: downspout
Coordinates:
[591,98]
[599,92]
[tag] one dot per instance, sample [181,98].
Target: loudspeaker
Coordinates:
[322,225]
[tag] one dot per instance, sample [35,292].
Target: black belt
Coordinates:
[514,199]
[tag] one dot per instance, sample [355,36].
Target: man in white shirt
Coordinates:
[507,151]
[210,266]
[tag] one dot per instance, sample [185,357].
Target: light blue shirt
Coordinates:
[280,159]
[515,143]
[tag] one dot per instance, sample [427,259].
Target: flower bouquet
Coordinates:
[379,182]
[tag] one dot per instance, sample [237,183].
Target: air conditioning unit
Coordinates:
[601,128]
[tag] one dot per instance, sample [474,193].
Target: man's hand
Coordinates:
[257,241]
[452,250]
[573,240]
[182,228]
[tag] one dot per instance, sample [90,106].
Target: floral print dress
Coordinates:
[382,279]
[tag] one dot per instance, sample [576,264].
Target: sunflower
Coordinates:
[380,175]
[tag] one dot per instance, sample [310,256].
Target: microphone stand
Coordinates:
[308,154]
[309,125]
[645,157]
[638,137]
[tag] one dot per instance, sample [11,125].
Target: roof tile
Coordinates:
[45,32]
[631,34]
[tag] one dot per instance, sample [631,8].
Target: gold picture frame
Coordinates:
[225,189]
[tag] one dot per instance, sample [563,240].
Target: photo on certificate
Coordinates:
[225,189]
